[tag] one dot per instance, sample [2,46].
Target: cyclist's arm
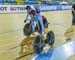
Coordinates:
[27,16]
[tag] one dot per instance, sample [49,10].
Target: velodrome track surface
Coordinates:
[11,32]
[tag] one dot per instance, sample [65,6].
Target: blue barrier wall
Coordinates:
[54,7]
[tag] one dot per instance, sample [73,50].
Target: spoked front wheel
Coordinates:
[27,29]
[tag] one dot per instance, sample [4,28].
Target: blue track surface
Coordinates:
[60,53]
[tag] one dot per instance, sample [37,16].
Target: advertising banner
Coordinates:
[21,8]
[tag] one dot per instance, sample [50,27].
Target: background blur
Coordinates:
[58,14]
[39,2]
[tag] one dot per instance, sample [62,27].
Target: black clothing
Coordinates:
[73,8]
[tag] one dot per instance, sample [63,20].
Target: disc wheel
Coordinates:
[38,44]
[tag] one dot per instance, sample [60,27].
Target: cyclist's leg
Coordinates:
[73,19]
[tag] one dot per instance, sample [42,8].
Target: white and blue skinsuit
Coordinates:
[27,14]
[37,17]
[32,8]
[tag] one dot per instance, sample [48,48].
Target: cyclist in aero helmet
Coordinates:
[29,8]
[36,18]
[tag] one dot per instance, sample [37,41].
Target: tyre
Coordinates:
[27,29]
[50,38]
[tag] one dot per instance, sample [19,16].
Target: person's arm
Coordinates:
[27,16]
[73,9]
